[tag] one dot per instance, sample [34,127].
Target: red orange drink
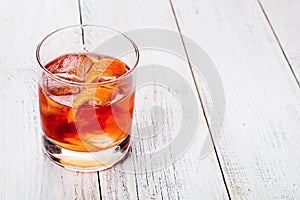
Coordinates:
[86,106]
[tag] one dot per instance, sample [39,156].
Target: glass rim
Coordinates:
[58,78]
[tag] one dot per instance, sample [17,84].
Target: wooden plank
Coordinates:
[259,143]
[25,172]
[191,177]
[285,22]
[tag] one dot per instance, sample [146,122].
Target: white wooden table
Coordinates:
[255,46]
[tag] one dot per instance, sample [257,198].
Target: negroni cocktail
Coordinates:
[86,105]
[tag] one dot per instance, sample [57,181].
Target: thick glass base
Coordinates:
[86,161]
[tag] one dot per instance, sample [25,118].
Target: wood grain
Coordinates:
[25,172]
[191,177]
[258,143]
[284,19]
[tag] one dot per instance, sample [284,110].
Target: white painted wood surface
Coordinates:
[259,143]
[285,20]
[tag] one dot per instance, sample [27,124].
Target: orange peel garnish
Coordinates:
[105,67]
[101,94]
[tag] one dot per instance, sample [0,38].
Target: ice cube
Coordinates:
[57,88]
[72,67]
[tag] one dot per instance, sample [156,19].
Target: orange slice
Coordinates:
[115,68]
[105,67]
[101,95]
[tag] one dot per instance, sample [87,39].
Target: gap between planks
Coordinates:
[200,99]
[278,42]
[81,23]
